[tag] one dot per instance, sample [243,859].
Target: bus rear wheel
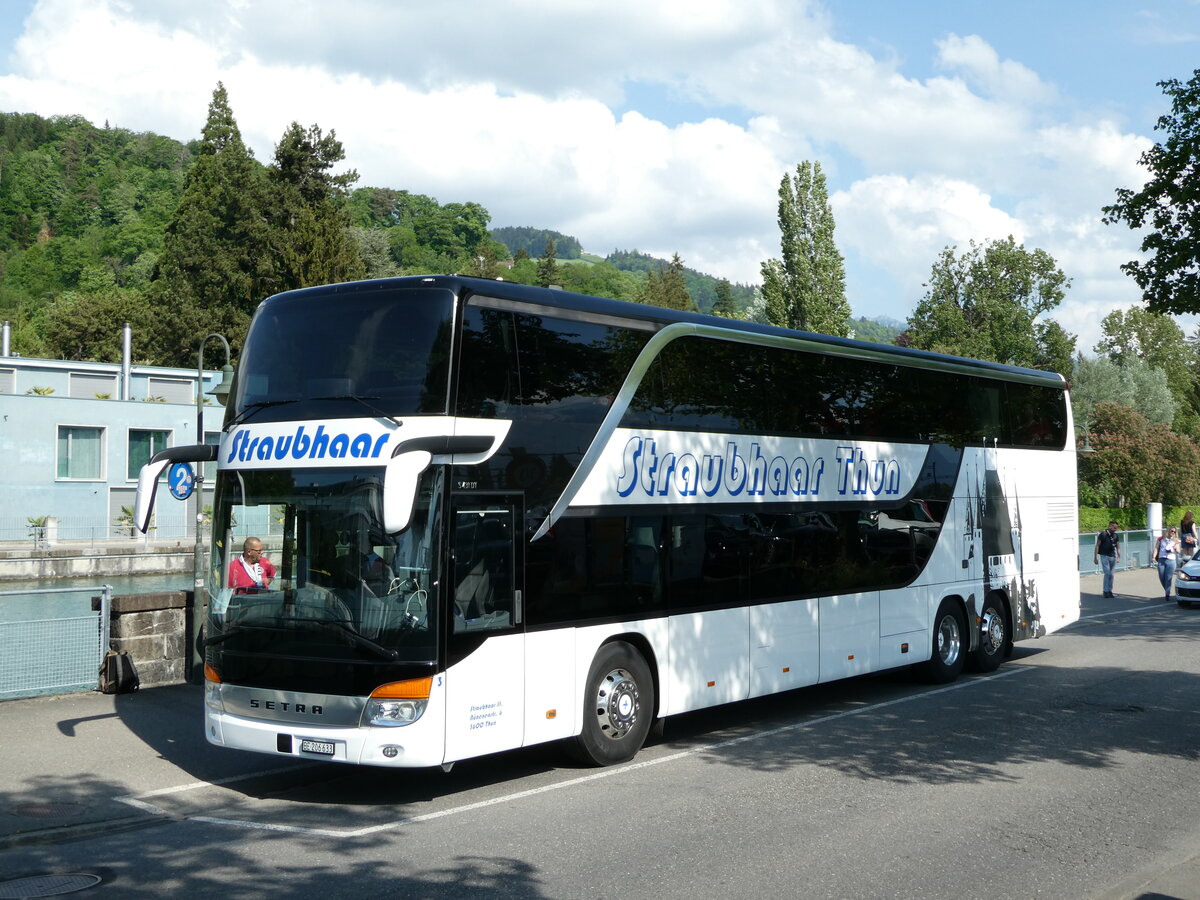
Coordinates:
[949,650]
[618,707]
[993,637]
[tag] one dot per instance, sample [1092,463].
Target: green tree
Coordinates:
[86,325]
[374,251]
[599,280]
[311,234]
[1136,462]
[217,259]
[1130,382]
[806,289]
[1156,340]
[547,267]
[724,304]
[667,287]
[484,262]
[1167,203]
[986,304]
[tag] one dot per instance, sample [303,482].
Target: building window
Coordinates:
[143,444]
[103,387]
[170,390]
[8,380]
[81,452]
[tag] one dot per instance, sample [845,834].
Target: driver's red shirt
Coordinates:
[240,578]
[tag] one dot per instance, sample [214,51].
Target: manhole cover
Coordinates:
[48,885]
[47,810]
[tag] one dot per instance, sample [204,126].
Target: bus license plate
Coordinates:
[325,748]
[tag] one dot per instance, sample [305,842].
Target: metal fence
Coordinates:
[18,531]
[54,654]
[1137,551]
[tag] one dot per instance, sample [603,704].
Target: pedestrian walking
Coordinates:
[1108,553]
[1166,554]
[1187,537]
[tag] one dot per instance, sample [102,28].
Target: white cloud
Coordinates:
[982,66]
[520,106]
[901,224]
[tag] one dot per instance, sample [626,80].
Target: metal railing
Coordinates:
[54,654]
[1137,551]
[88,532]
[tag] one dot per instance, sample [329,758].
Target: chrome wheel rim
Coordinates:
[617,704]
[992,628]
[949,640]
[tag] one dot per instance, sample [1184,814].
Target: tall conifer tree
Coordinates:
[215,264]
[723,303]
[547,267]
[807,288]
[310,213]
[667,287]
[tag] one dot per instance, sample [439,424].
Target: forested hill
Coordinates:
[701,286]
[100,225]
[533,241]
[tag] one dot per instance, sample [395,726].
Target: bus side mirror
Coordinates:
[148,477]
[400,488]
[146,489]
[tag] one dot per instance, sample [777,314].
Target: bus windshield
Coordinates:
[381,350]
[332,596]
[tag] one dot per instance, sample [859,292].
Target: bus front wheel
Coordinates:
[618,706]
[949,649]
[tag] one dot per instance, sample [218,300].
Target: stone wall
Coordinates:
[153,628]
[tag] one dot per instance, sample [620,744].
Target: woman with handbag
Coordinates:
[1166,552]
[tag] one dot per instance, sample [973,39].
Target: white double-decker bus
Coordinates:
[503,515]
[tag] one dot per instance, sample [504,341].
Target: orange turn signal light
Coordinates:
[413,689]
[210,674]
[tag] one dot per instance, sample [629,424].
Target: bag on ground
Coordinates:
[118,674]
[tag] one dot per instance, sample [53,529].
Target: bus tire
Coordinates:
[994,637]
[949,644]
[618,707]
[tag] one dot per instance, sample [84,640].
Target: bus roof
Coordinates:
[661,316]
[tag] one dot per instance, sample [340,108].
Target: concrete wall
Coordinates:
[98,564]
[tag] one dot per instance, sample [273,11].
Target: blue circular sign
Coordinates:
[181,479]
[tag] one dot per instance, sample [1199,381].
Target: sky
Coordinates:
[667,126]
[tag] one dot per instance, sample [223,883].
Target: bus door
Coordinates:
[485,685]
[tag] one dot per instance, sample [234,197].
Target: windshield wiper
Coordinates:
[363,401]
[255,407]
[355,638]
[340,627]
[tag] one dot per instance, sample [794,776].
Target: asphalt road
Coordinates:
[1070,772]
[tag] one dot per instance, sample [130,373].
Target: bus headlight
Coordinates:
[398,703]
[394,712]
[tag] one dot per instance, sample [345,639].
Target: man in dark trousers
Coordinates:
[1108,554]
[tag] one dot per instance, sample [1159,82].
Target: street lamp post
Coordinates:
[200,600]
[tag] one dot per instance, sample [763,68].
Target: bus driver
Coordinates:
[251,571]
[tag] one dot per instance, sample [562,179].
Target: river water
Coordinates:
[18,606]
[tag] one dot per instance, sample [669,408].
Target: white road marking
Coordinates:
[139,800]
